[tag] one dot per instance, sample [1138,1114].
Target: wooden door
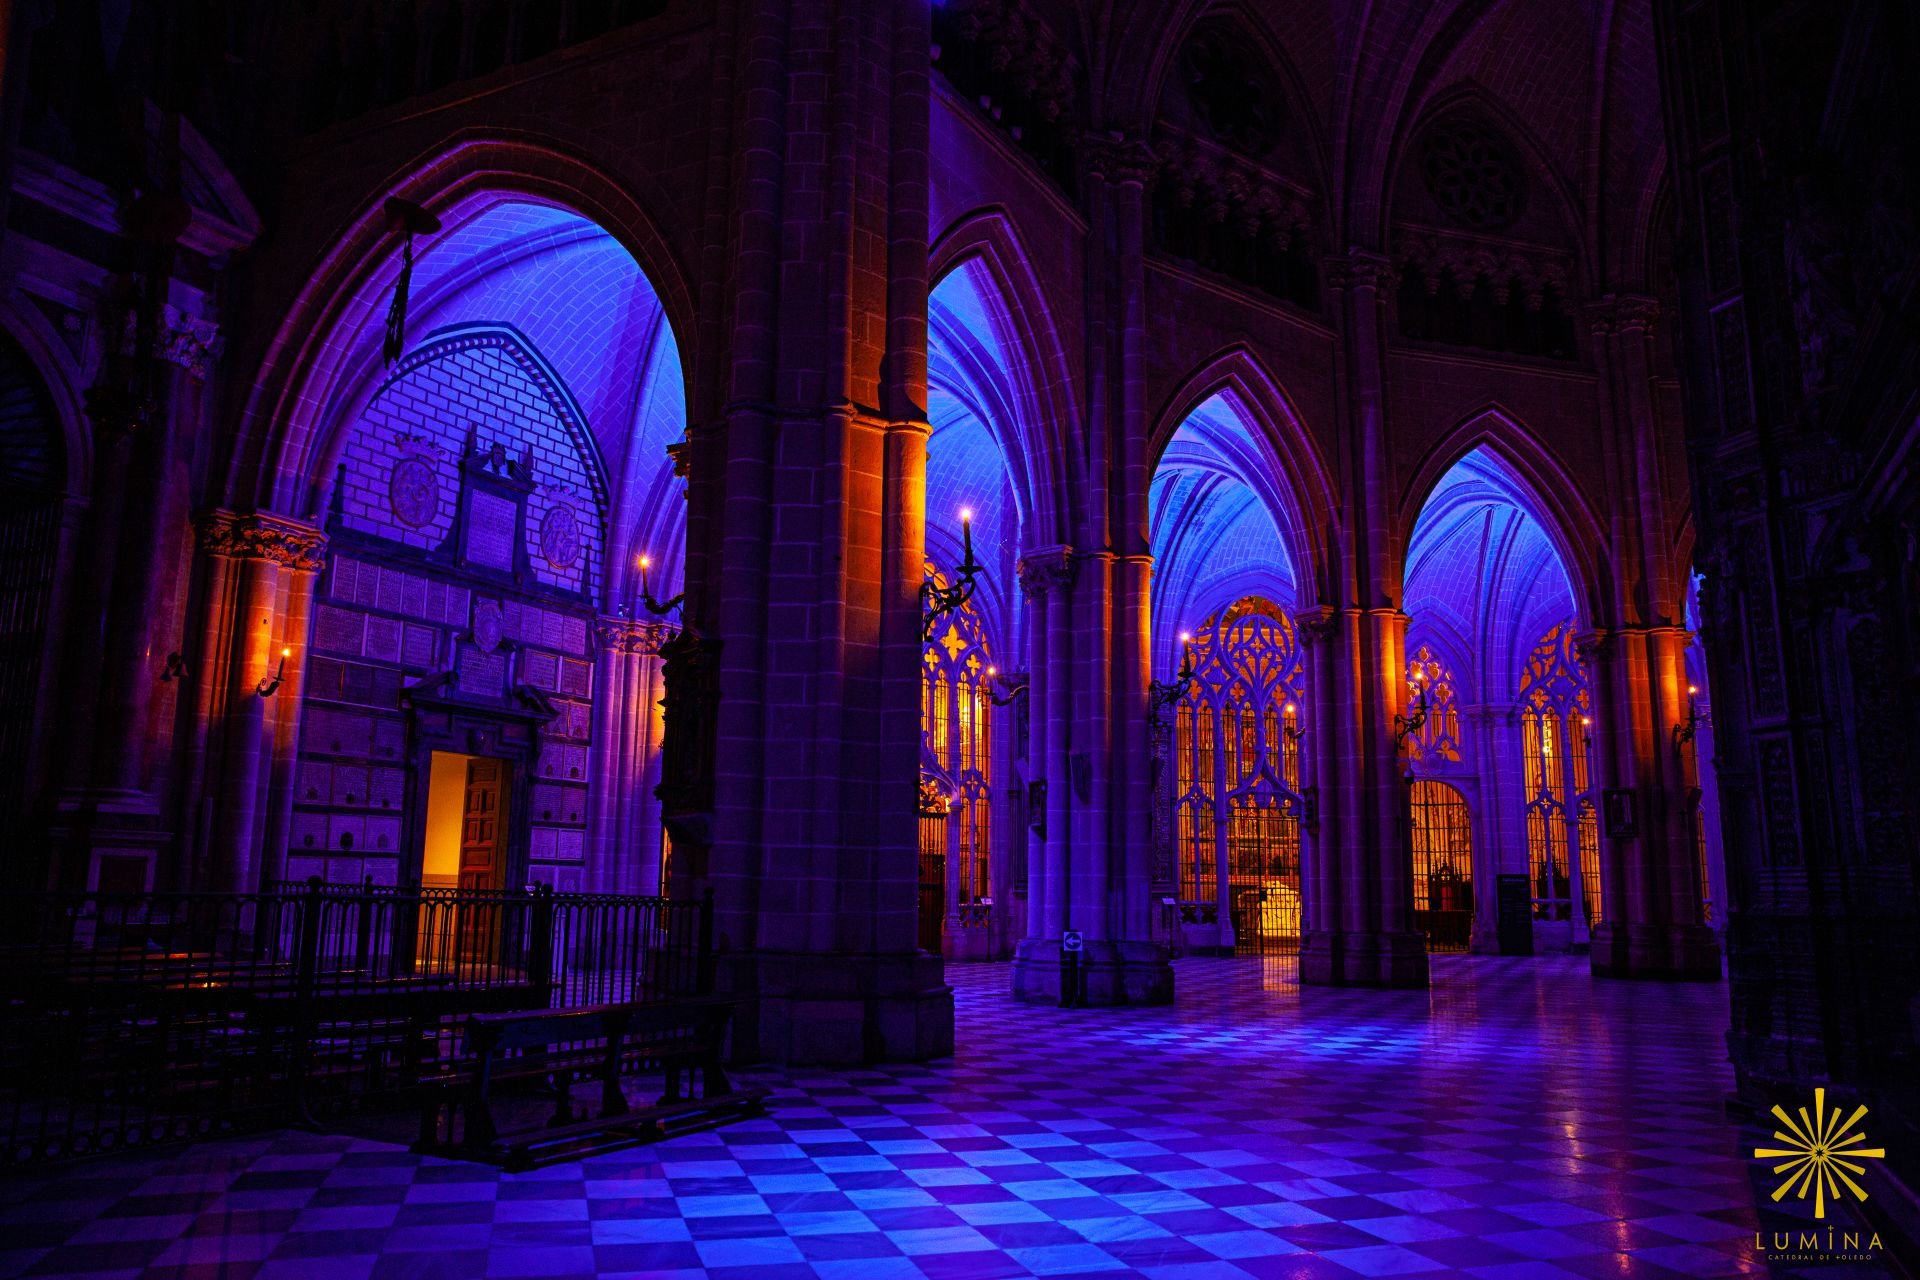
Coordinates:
[482,838]
[483,852]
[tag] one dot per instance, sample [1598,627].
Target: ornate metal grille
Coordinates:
[1236,776]
[1442,866]
[1563,833]
[956,770]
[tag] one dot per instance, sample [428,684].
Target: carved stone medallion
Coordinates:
[414,491]
[488,625]
[560,536]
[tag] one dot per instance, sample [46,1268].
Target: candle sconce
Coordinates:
[1684,733]
[1292,731]
[1162,694]
[993,683]
[936,601]
[270,685]
[657,608]
[1404,726]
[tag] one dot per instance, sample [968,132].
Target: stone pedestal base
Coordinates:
[1115,973]
[1673,952]
[103,839]
[1332,959]
[801,1008]
[967,944]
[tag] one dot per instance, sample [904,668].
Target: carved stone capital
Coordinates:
[632,635]
[1121,161]
[1623,314]
[1045,569]
[290,544]
[1316,624]
[180,339]
[1593,645]
[1362,271]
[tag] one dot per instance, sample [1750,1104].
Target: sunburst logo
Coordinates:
[1819,1153]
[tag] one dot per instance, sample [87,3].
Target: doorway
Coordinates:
[465,852]
[466,823]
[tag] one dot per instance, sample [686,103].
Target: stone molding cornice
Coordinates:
[291,544]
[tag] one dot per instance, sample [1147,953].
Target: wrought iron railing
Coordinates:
[130,1019]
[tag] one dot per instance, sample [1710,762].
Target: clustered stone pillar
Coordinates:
[623,825]
[1360,927]
[260,573]
[806,541]
[1652,917]
[1079,877]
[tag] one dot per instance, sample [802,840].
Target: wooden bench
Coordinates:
[559,1047]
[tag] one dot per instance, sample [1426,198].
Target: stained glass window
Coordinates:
[1236,774]
[1563,831]
[1439,737]
[956,766]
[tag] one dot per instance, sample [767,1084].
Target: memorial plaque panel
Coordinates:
[316,781]
[484,674]
[419,647]
[383,639]
[490,528]
[338,630]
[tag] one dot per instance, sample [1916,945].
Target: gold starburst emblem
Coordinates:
[1819,1153]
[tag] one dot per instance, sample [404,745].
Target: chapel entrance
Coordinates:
[465,850]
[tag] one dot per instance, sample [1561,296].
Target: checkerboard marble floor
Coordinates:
[1519,1121]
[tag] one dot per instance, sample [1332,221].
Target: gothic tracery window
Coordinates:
[1438,738]
[956,718]
[1563,833]
[1236,775]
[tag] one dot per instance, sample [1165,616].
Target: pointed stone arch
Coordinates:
[1571,523]
[1469,96]
[1042,455]
[1308,517]
[277,458]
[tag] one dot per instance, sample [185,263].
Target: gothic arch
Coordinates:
[1162,50]
[277,460]
[1554,498]
[1307,518]
[60,376]
[1468,96]
[1047,465]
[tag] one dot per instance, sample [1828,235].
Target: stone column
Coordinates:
[623,821]
[1363,933]
[1651,924]
[794,795]
[262,564]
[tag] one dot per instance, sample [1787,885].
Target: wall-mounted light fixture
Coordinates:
[1292,731]
[176,669]
[1405,727]
[1683,733]
[410,220]
[937,601]
[656,607]
[1002,699]
[1161,694]
[270,685]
